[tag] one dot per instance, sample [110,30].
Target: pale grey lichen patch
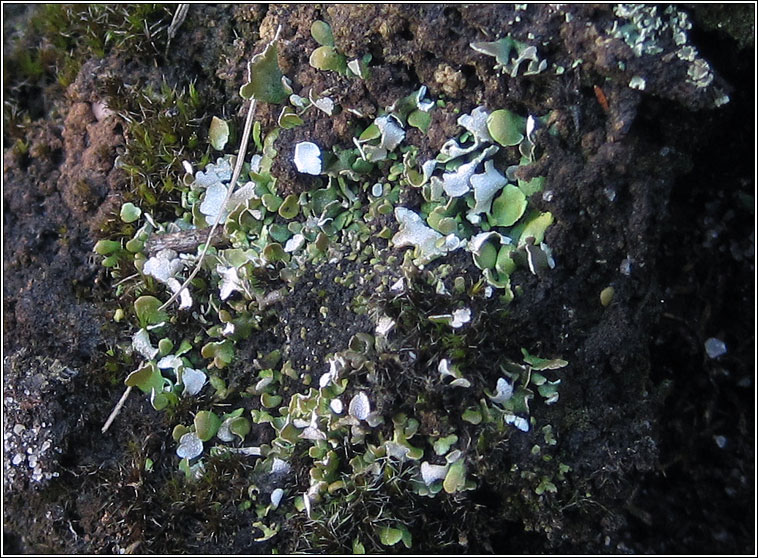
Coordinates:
[456,183]
[413,232]
[255,162]
[503,391]
[460,159]
[422,105]
[452,149]
[213,185]
[477,241]
[185,298]
[649,31]
[312,431]
[34,435]
[721,100]
[519,422]
[213,201]
[444,369]
[193,381]
[324,104]
[295,243]
[308,158]
[336,406]
[280,467]
[336,366]
[217,173]
[230,281]
[355,67]
[190,446]
[699,72]
[637,82]
[534,66]
[224,432]
[382,137]
[485,186]
[431,473]
[461,317]
[299,102]
[502,50]
[448,370]
[539,258]
[276,497]
[476,123]
[359,406]
[397,451]
[170,361]
[318,223]
[163,266]
[427,169]
[241,194]
[531,127]
[141,343]
[499,49]
[392,133]
[384,325]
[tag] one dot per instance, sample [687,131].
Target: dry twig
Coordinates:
[184,241]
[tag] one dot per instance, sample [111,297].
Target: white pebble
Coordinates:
[336,406]
[308,158]
[276,497]
[715,347]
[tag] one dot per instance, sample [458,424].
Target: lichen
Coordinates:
[335,412]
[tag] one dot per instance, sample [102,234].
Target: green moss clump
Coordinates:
[164,126]
[58,38]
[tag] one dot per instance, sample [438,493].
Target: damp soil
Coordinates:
[652,194]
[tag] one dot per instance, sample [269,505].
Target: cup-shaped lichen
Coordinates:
[145,378]
[508,207]
[266,79]
[207,424]
[130,212]
[218,134]
[321,31]
[327,58]
[506,127]
[148,311]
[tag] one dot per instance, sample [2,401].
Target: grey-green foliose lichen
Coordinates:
[353,214]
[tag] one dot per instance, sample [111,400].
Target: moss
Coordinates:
[162,122]
[163,129]
[58,38]
[360,514]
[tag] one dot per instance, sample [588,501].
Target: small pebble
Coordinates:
[715,347]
